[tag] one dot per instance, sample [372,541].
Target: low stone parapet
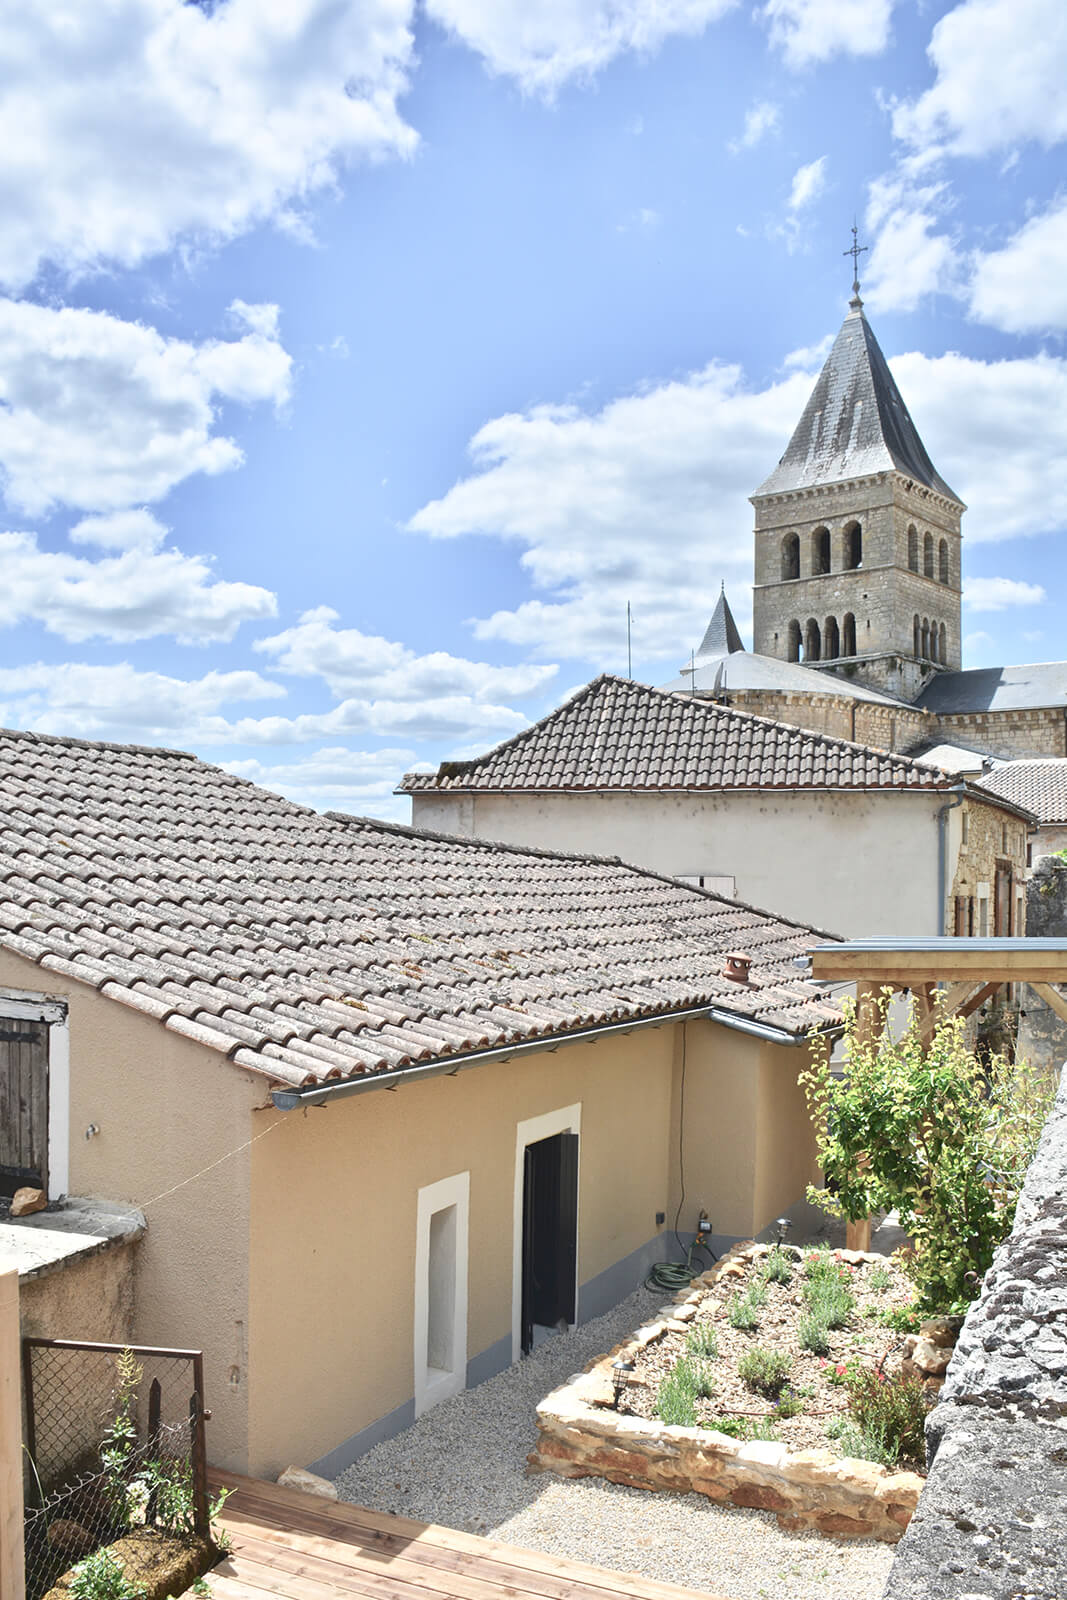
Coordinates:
[580,1435]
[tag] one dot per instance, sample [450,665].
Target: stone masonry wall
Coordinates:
[580,1435]
[992,836]
[864,721]
[1008,734]
[1042,1034]
[992,1520]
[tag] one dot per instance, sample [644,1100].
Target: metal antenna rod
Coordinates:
[629,653]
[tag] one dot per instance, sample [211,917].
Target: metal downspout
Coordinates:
[959,790]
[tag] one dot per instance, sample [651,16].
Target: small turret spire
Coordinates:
[855,250]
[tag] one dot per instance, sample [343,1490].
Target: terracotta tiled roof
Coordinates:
[311,948]
[1040,786]
[616,734]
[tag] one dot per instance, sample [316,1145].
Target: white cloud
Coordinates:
[1000,594]
[643,501]
[807,31]
[809,356]
[910,258]
[102,414]
[761,120]
[443,717]
[1022,288]
[1001,67]
[128,125]
[336,777]
[120,702]
[808,184]
[355,663]
[136,529]
[646,500]
[138,594]
[543,43]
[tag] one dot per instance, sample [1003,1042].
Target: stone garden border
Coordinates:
[581,1435]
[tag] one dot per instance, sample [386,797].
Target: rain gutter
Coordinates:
[322,1093]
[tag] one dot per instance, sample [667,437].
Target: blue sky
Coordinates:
[360,362]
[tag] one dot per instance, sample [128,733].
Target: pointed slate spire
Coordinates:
[722,637]
[855,424]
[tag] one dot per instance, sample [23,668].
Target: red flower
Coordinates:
[841,1369]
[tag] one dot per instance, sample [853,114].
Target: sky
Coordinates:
[361,361]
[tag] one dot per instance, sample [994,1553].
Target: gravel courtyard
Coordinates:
[463,1464]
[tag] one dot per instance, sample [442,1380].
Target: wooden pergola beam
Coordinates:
[911,963]
[1052,998]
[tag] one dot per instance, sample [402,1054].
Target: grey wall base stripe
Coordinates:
[600,1294]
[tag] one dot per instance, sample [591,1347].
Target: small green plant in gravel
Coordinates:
[856,1443]
[687,1382]
[891,1411]
[880,1278]
[790,1402]
[102,1577]
[778,1266]
[744,1427]
[702,1340]
[763,1370]
[742,1310]
[813,1334]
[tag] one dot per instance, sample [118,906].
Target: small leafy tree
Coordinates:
[933,1133]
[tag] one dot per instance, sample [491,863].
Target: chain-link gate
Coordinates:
[114,1438]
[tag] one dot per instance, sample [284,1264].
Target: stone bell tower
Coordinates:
[857,536]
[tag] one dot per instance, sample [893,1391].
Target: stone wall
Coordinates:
[580,1435]
[993,836]
[843,716]
[1008,734]
[992,1521]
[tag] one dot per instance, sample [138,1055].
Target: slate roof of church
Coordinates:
[744,669]
[617,734]
[1033,687]
[855,424]
[1039,785]
[721,637]
[311,947]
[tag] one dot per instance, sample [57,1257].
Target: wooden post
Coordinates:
[12,1569]
[868,1020]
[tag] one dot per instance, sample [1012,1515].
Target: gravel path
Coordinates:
[463,1464]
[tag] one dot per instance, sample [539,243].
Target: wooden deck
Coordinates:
[302,1547]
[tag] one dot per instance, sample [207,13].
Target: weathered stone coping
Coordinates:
[993,1520]
[580,1436]
[50,1240]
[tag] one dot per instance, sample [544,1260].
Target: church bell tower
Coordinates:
[857,559]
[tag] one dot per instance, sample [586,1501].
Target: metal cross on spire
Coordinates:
[855,250]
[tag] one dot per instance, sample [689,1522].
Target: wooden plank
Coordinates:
[907,968]
[12,1574]
[430,1539]
[1052,997]
[495,1572]
[388,1577]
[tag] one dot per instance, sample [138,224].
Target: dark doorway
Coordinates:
[549,1235]
[1002,907]
[23,1104]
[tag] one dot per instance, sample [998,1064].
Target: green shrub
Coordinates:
[880,1279]
[102,1577]
[856,1442]
[765,1371]
[927,1129]
[891,1411]
[676,1401]
[813,1334]
[744,1427]
[742,1310]
[789,1402]
[702,1340]
[829,1300]
[778,1266]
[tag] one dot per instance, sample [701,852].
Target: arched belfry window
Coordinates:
[913,549]
[928,555]
[794,641]
[942,645]
[831,642]
[820,551]
[848,635]
[926,640]
[917,635]
[791,556]
[853,546]
[942,561]
[812,641]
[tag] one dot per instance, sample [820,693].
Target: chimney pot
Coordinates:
[736,966]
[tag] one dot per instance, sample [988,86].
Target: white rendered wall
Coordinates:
[852,864]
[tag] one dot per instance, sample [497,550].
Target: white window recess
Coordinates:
[441,1260]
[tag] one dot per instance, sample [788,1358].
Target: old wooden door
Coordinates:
[23,1104]
[1002,907]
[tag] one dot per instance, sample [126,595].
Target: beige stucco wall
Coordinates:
[334,1217]
[87,1297]
[852,864]
[166,1109]
[747,1144]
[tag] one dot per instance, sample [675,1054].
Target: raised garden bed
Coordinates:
[741,1391]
